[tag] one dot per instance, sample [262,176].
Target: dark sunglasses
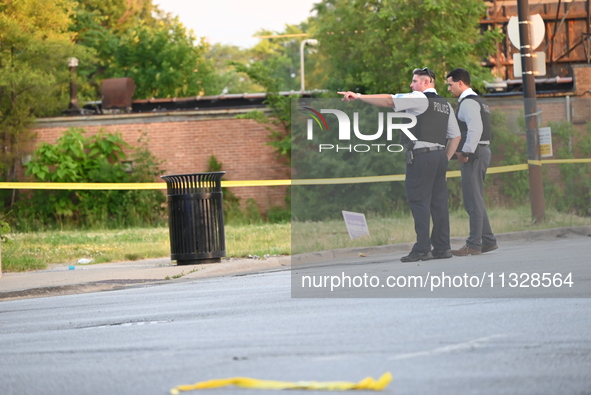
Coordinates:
[424,71]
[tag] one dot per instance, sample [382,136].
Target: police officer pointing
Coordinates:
[438,136]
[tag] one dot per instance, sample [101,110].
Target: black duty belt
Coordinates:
[427,149]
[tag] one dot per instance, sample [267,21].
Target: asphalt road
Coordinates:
[151,338]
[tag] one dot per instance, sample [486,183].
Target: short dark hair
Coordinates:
[459,75]
[424,71]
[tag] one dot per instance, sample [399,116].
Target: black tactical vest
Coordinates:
[432,124]
[484,114]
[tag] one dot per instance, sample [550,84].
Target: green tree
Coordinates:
[135,39]
[221,57]
[279,121]
[373,45]
[283,53]
[279,53]
[163,62]
[572,191]
[34,46]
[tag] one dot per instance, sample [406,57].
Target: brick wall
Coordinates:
[582,78]
[187,140]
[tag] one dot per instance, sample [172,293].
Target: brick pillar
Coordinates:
[582,76]
[581,108]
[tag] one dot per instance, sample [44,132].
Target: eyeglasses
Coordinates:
[424,71]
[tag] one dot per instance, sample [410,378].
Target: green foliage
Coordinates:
[281,53]
[320,202]
[4,230]
[233,213]
[373,46]
[221,57]
[454,187]
[162,62]
[75,158]
[278,215]
[572,193]
[213,164]
[509,148]
[280,106]
[134,39]
[236,215]
[284,54]
[34,46]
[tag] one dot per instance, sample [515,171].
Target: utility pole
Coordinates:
[536,186]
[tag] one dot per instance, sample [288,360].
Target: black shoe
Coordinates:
[417,256]
[489,248]
[442,254]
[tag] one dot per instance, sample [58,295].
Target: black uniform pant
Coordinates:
[426,189]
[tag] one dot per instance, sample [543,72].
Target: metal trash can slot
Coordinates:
[196,217]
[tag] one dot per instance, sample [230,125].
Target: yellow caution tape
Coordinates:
[554,161]
[367,383]
[82,185]
[255,183]
[506,169]
[261,183]
[349,180]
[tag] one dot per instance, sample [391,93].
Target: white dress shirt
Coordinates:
[470,113]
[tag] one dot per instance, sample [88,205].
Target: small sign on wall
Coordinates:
[545,142]
[356,224]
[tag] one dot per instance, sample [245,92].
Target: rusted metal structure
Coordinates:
[117,94]
[567,41]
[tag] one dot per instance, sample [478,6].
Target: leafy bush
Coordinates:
[510,148]
[4,229]
[75,158]
[278,215]
[233,213]
[572,193]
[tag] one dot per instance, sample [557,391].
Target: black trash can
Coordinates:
[196,217]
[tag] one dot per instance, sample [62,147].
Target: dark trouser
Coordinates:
[426,189]
[473,173]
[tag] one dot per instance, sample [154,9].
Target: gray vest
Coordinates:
[484,114]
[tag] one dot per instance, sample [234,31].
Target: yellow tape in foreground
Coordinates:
[244,382]
[82,185]
[267,183]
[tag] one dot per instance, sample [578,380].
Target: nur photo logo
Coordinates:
[349,131]
[315,116]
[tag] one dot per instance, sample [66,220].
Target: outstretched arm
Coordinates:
[381,100]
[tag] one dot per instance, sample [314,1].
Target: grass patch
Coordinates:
[329,235]
[261,240]
[35,251]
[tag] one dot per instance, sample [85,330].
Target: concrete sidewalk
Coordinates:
[62,280]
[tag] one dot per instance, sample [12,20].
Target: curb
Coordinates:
[528,235]
[237,267]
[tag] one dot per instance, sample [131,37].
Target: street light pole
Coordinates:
[311,42]
[536,186]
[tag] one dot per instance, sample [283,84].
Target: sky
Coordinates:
[234,22]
